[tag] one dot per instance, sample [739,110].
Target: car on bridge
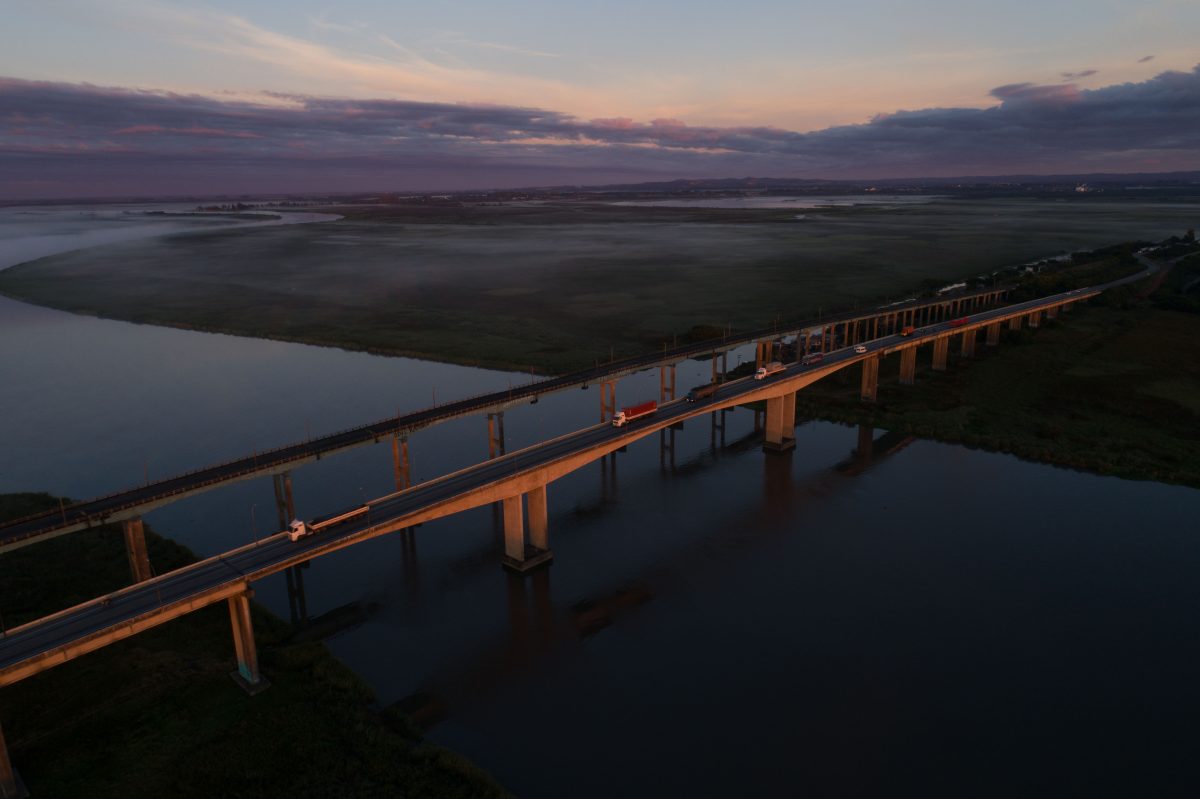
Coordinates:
[860,348]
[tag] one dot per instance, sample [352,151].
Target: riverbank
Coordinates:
[1112,388]
[157,715]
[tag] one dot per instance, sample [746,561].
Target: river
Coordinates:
[717,621]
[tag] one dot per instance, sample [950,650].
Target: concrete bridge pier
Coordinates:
[297,598]
[1035,319]
[400,461]
[666,382]
[968,343]
[11,786]
[1015,323]
[666,449]
[247,674]
[285,503]
[495,423]
[1052,312]
[717,427]
[608,477]
[993,334]
[870,379]
[941,348]
[608,400]
[780,435]
[526,551]
[135,549]
[908,366]
[1066,307]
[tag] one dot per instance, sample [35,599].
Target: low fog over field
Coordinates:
[559,295]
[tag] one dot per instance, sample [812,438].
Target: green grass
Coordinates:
[1107,389]
[560,286]
[157,715]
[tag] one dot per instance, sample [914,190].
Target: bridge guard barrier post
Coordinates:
[135,548]
[870,379]
[908,366]
[780,434]
[11,786]
[968,343]
[941,347]
[993,334]
[247,674]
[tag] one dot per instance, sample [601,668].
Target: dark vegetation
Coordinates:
[157,715]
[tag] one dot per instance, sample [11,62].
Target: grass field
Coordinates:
[158,716]
[559,286]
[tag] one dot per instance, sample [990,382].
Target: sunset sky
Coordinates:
[116,97]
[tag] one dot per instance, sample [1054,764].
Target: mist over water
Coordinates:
[717,621]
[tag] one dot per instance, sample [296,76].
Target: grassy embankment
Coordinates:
[1112,387]
[557,286]
[157,715]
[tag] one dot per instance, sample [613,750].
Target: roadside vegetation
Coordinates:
[157,715]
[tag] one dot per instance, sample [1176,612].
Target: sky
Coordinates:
[138,97]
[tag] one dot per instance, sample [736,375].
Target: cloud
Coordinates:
[85,135]
[1087,73]
[1145,58]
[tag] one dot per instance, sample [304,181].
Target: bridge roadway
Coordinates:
[136,501]
[60,637]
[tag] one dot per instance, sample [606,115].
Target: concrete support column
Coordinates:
[908,366]
[400,462]
[539,529]
[1052,312]
[1035,319]
[285,503]
[1066,307]
[714,368]
[870,379]
[759,354]
[941,347]
[968,343]
[608,400]
[11,786]
[523,552]
[495,423]
[666,382]
[993,334]
[135,549]
[1014,323]
[247,674]
[780,432]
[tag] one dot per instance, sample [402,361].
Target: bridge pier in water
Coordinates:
[135,549]
[666,382]
[870,379]
[941,348]
[780,434]
[608,400]
[400,461]
[908,366]
[524,551]
[247,674]
[495,424]
[11,786]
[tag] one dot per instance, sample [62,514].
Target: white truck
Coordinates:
[768,369]
[298,529]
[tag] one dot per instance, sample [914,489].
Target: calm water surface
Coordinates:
[716,622]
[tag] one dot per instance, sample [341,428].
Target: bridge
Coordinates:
[519,481]
[130,504]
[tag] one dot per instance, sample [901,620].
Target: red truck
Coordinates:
[958,322]
[626,415]
[812,357]
[907,330]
